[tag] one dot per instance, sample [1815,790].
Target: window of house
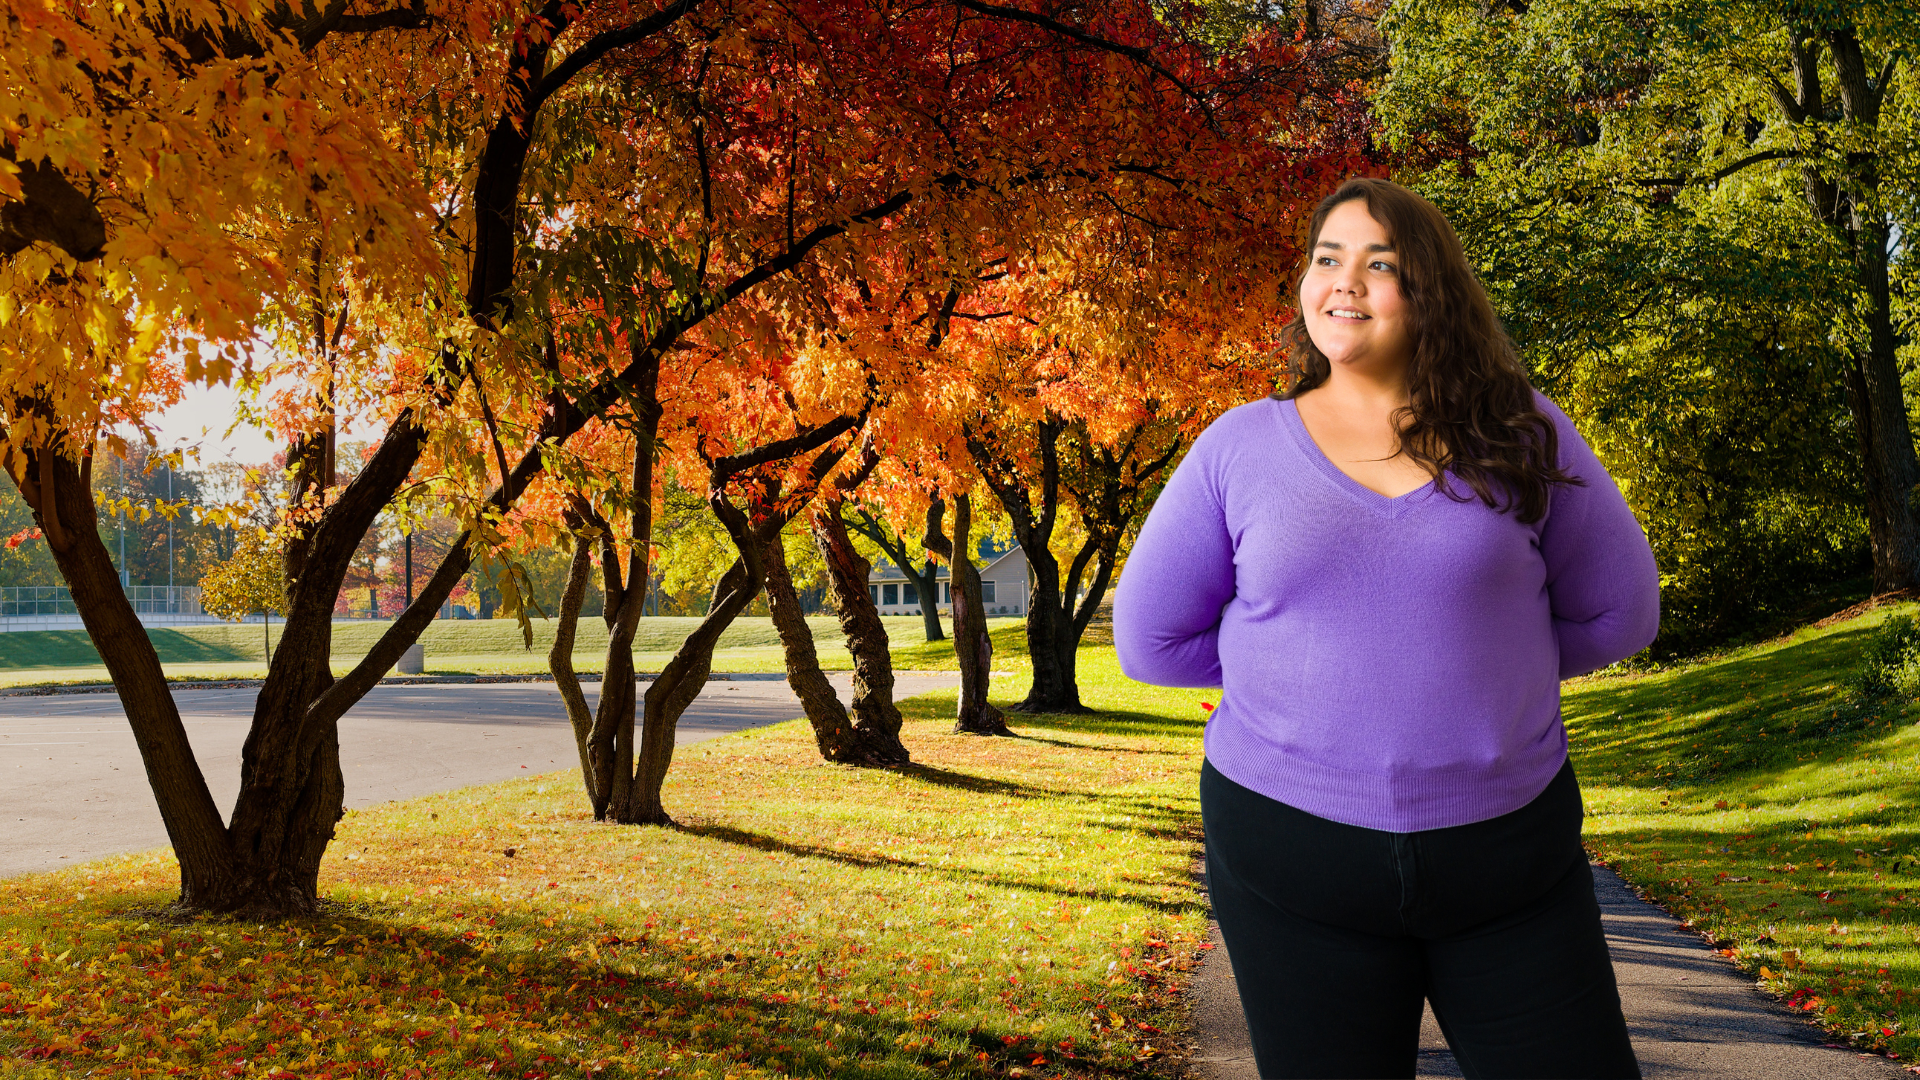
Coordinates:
[873,594]
[946,592]
[890,595]
[913,593]
[986,592]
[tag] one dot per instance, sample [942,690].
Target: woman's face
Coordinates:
[1350,295]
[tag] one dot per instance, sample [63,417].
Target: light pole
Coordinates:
[169,537]
[124,579]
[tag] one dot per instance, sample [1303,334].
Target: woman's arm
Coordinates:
[1166,609]
[1601,579]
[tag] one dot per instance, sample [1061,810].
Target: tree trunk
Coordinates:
[1053,644]
[929,585]
[972,645]
[927,581]
[669,695]
[1051,639]
[838,739]
[560,663]
[610,742]
[60,496]
[1880,416]
[873,707]
[1849,204]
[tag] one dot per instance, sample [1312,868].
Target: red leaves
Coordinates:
[1207,705]
[24,535]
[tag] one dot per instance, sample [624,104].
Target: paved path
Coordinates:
[1690,1013]
[72,787]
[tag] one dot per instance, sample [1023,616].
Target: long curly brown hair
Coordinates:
[1470,407]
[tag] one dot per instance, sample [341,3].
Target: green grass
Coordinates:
[905,923]
[1744,795]
[1001,908]
[479,647]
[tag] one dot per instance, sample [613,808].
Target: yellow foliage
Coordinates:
[253,581]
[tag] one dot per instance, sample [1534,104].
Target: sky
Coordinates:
[202,419]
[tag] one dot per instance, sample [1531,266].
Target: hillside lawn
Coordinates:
[1746,796]
[481,647]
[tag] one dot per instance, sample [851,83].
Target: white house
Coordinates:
[1003,587]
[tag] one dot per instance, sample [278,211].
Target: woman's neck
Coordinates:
[1366,391]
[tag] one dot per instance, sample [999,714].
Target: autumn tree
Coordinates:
[677,158]
[253,580]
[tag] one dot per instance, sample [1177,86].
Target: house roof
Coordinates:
[1011,559]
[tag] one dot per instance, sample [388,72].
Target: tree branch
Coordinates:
[1722,173]
[807,441]
[54,212]
[600,45]
[1132,52]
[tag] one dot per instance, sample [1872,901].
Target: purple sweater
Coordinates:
[1388,663]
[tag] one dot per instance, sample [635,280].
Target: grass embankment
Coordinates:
[478,647]
[1003,907]
[1747,796]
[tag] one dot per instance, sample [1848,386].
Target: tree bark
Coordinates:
[926,581]
[873,707]
[833,731]
[59,493]
[1849,204]
[560,663]
[972,645]
[611,746]
[668,696]
[1052,642]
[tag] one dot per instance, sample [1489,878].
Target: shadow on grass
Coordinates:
[1163,820]
[1832,880]
[1120,722]
[34,649]
[763,842]
[1063,744]
[1753,719]
[985,785]
[642,988]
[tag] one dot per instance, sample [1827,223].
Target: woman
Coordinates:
[1389,569]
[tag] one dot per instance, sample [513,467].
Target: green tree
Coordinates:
[254,580]
[1684,213]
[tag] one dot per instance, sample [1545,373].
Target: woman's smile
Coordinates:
[1352,296]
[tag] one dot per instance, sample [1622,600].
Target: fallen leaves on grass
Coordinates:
[1001,908]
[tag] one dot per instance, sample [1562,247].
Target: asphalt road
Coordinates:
[72,787]
[1689,1012]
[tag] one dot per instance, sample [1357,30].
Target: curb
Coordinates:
[406,680]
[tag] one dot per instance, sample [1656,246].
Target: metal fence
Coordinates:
[57,600]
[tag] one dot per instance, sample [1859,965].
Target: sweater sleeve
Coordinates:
[1180,574]
[1602,583]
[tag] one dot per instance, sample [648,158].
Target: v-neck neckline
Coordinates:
[1391,505]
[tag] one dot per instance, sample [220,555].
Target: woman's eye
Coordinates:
[1384,266]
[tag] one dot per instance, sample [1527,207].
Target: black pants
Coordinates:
[1337,933]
